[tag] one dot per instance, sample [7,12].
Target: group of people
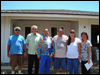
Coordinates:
[67,50]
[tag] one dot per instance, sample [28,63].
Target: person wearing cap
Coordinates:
[15,46]
[32,43]
[60,51]
[73,53]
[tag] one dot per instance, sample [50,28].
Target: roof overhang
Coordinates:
[49,15]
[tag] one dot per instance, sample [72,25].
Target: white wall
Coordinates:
[87,23]
[44,24]
[75,26]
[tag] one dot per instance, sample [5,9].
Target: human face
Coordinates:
[72,35]
[46,32]
[84,37]
[60,32]
[34,29]
[17,31]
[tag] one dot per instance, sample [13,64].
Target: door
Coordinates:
[27,31]
[95,35]
[95,41]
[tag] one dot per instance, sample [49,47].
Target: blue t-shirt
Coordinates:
[16,44]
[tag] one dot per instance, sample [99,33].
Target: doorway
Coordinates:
[95,35]
[95,42]
[27,31]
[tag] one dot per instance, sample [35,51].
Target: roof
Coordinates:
[63,12]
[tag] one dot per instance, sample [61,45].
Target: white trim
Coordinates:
[50,15]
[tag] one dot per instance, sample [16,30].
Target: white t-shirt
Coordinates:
[60,46]
[48,41]
[72,49]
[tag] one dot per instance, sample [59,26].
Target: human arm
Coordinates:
[8,49]
[39,48]
[53,49]
[89,54]
[79,51]
[25,53]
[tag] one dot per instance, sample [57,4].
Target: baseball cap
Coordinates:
[17,28]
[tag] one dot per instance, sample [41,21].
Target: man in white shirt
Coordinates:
[32,43]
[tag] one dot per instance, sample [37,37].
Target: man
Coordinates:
[32,43]
[60,51]
[16,43]
[45,52]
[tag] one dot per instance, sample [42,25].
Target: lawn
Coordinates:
[51,72]
[93,71]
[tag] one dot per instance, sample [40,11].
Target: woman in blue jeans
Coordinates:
[73,53]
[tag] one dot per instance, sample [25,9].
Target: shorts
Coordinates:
[60,61]
[16,59]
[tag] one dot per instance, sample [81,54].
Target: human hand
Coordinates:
[8,55]
[79,57]
[38,57]
[25,54]
[88,61]
[50,55]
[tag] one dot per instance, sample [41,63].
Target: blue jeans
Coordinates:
[60,61]
[73,65]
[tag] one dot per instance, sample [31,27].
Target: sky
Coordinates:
[51,5]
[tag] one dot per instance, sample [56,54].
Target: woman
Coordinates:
[73,52]
[86,52]
[45,52]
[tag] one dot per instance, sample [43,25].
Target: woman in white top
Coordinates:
[73,52]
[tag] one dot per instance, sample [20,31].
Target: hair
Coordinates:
[34,26]
[45,29]
[85,34]
[69,39]
[61,29]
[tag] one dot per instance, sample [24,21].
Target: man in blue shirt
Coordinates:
[16,43]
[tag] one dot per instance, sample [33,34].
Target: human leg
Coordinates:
[63,65]
[75,65]
[57,64]
[20,62]
[83,68]
[47,66]
[36,64]
[42,65]
[30,63]
[70,65]
[13,62]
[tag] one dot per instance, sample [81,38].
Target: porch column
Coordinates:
[6,37]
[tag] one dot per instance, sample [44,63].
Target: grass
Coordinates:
[93,71]
[51,72]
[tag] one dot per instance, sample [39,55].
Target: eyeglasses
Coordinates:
[17,30]
[34,29]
